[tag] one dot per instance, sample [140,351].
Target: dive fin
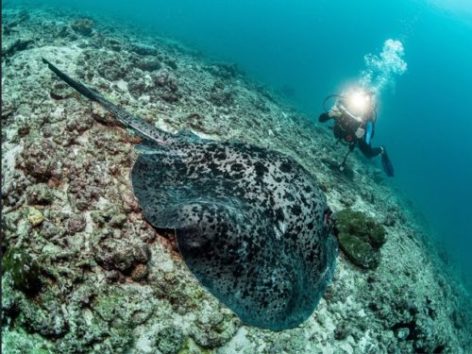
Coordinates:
[387,164]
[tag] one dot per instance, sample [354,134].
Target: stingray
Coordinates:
[250,223]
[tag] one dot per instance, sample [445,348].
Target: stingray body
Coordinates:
[249,222]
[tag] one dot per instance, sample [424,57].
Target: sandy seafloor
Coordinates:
[110,283]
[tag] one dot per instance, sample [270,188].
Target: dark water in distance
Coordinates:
[313,48]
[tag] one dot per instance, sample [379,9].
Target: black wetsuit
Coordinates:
[345,129]
[368,150]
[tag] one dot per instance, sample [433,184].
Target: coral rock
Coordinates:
[24,271]
[143,49]
[83,26]
[169,340]
[119,255]
[140,272]
[221,95]
[360,238]
[76,224]
[35,217]
[149,64]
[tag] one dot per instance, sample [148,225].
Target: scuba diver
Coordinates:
[355,115]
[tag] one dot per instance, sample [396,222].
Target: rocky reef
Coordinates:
[360,237]
[84,272]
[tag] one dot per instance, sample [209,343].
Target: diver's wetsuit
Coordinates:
[365,143]
[348,135]
[357,132]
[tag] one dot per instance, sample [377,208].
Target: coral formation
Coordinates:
[83,26]
[24,271]
[360,237]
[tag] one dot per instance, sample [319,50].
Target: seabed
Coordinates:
[108,283]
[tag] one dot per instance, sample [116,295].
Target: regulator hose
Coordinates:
[328,98]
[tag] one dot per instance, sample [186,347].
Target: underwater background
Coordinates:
[310,49]
[303,51]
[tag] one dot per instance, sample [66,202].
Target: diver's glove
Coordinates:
[324,117]
[333,113]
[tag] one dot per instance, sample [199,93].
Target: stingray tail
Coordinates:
[143,128]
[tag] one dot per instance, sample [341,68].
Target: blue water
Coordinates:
[315,47]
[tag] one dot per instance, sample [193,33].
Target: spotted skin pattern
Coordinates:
[249,221]
[249,224]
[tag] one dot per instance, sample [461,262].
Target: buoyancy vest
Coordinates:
[345,128]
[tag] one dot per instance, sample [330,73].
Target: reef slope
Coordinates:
[108,283]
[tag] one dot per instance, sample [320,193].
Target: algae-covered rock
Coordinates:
[38,159]
[24,271]
[360,238]
[124,256]
[149,64]
[83,26]
[359,252]
[110,214]
[75,224]
[35,217]
[122,307]
[190,347]
[170,340]
[18,340]
[45,317]
[213,329]
[39,194]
